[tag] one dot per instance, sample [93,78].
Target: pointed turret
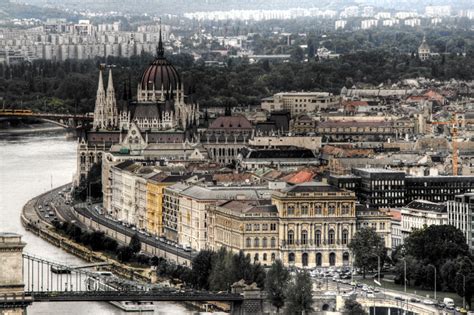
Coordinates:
[111,113]
[160,51]
[100,103]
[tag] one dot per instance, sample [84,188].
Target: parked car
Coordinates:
[428,302]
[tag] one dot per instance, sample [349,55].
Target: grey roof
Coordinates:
[146,111]
[312,187]
[426,206]
[222,192]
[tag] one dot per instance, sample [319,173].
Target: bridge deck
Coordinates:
[131,296]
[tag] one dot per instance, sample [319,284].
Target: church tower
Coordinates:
[100,104]
[111,113]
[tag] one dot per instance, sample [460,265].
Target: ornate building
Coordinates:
[161,113]
[424,51]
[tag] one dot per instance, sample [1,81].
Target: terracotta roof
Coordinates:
[396,215]
[302,176]
[231,122]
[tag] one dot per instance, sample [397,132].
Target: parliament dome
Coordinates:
[160,73]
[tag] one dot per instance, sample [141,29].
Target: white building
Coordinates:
[299,102]
[366,24]
[438,10]
[340,24]
[460,215]
[420,213]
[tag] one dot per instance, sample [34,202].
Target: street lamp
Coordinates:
[430,265]
[463,290]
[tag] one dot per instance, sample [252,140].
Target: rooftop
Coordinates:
[426,206]
[312,187]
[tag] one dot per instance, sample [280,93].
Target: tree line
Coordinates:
[70,86]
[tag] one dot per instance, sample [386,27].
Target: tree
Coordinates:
[436,243]
[299,294]
[276,284]
[124,254]
[352,307]
[221,277]
[367,246]
[201,269]
[242,267]
[135,244]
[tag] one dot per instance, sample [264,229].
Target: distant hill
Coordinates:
[9,9]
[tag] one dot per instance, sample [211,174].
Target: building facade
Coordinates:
[316,223]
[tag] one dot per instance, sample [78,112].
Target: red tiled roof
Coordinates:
[299,177]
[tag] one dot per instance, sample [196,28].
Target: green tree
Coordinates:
[276,284]
[352,307]
[135,244]
[299,294]
[367,246]
[436,243]
[201,269]
[221,277]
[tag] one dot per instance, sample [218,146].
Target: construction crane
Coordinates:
[454,145]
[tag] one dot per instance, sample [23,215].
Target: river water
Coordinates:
[31,164]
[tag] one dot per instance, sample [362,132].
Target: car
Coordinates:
[40,207]
[428,302]
[415,300]
[441,305]
[450,307]
[458,309]
[370,295]
[46,216]
[134,228]
[399,298]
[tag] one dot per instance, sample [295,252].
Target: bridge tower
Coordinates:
[12,288]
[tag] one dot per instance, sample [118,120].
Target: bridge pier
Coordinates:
[252,303]
[12,289]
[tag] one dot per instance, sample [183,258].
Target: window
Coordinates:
[248,227]
[331,237]
[291,237]
[317,237]
[264,256]
[273,226]
[304,259]
[382,225]
[304,209]
[304,237]
[318,209]
[256,227]
[331,209]
[272,242]
[248,242]
[255,258]
[319,259]
[345,209]
[273,256]
[264,227]
[264,242]
[256,242]
[291,257]
[332,259]
[291,210]
[345,237]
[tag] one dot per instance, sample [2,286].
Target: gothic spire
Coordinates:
[110,84]
[160,52]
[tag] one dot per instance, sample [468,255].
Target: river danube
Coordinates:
[30,164]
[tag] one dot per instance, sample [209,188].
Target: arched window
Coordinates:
[291,257]
[248,242]
[319,259]
[273,256]
[264,242]
[331,237]
[345,259]
[264,256]
[256,242]
[345,237]
[273,242]
[304,259]
[331,209]
[255,258]
[332,259]
[317,238]
[291,237]
[304,237]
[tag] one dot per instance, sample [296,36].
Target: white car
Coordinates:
[428,302]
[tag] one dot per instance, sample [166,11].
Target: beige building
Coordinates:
[299,102]
[377,219]
[420,213]
[316,223]
[185,215]
[250,226]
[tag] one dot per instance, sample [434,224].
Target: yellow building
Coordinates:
[316,223]
[154,200]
